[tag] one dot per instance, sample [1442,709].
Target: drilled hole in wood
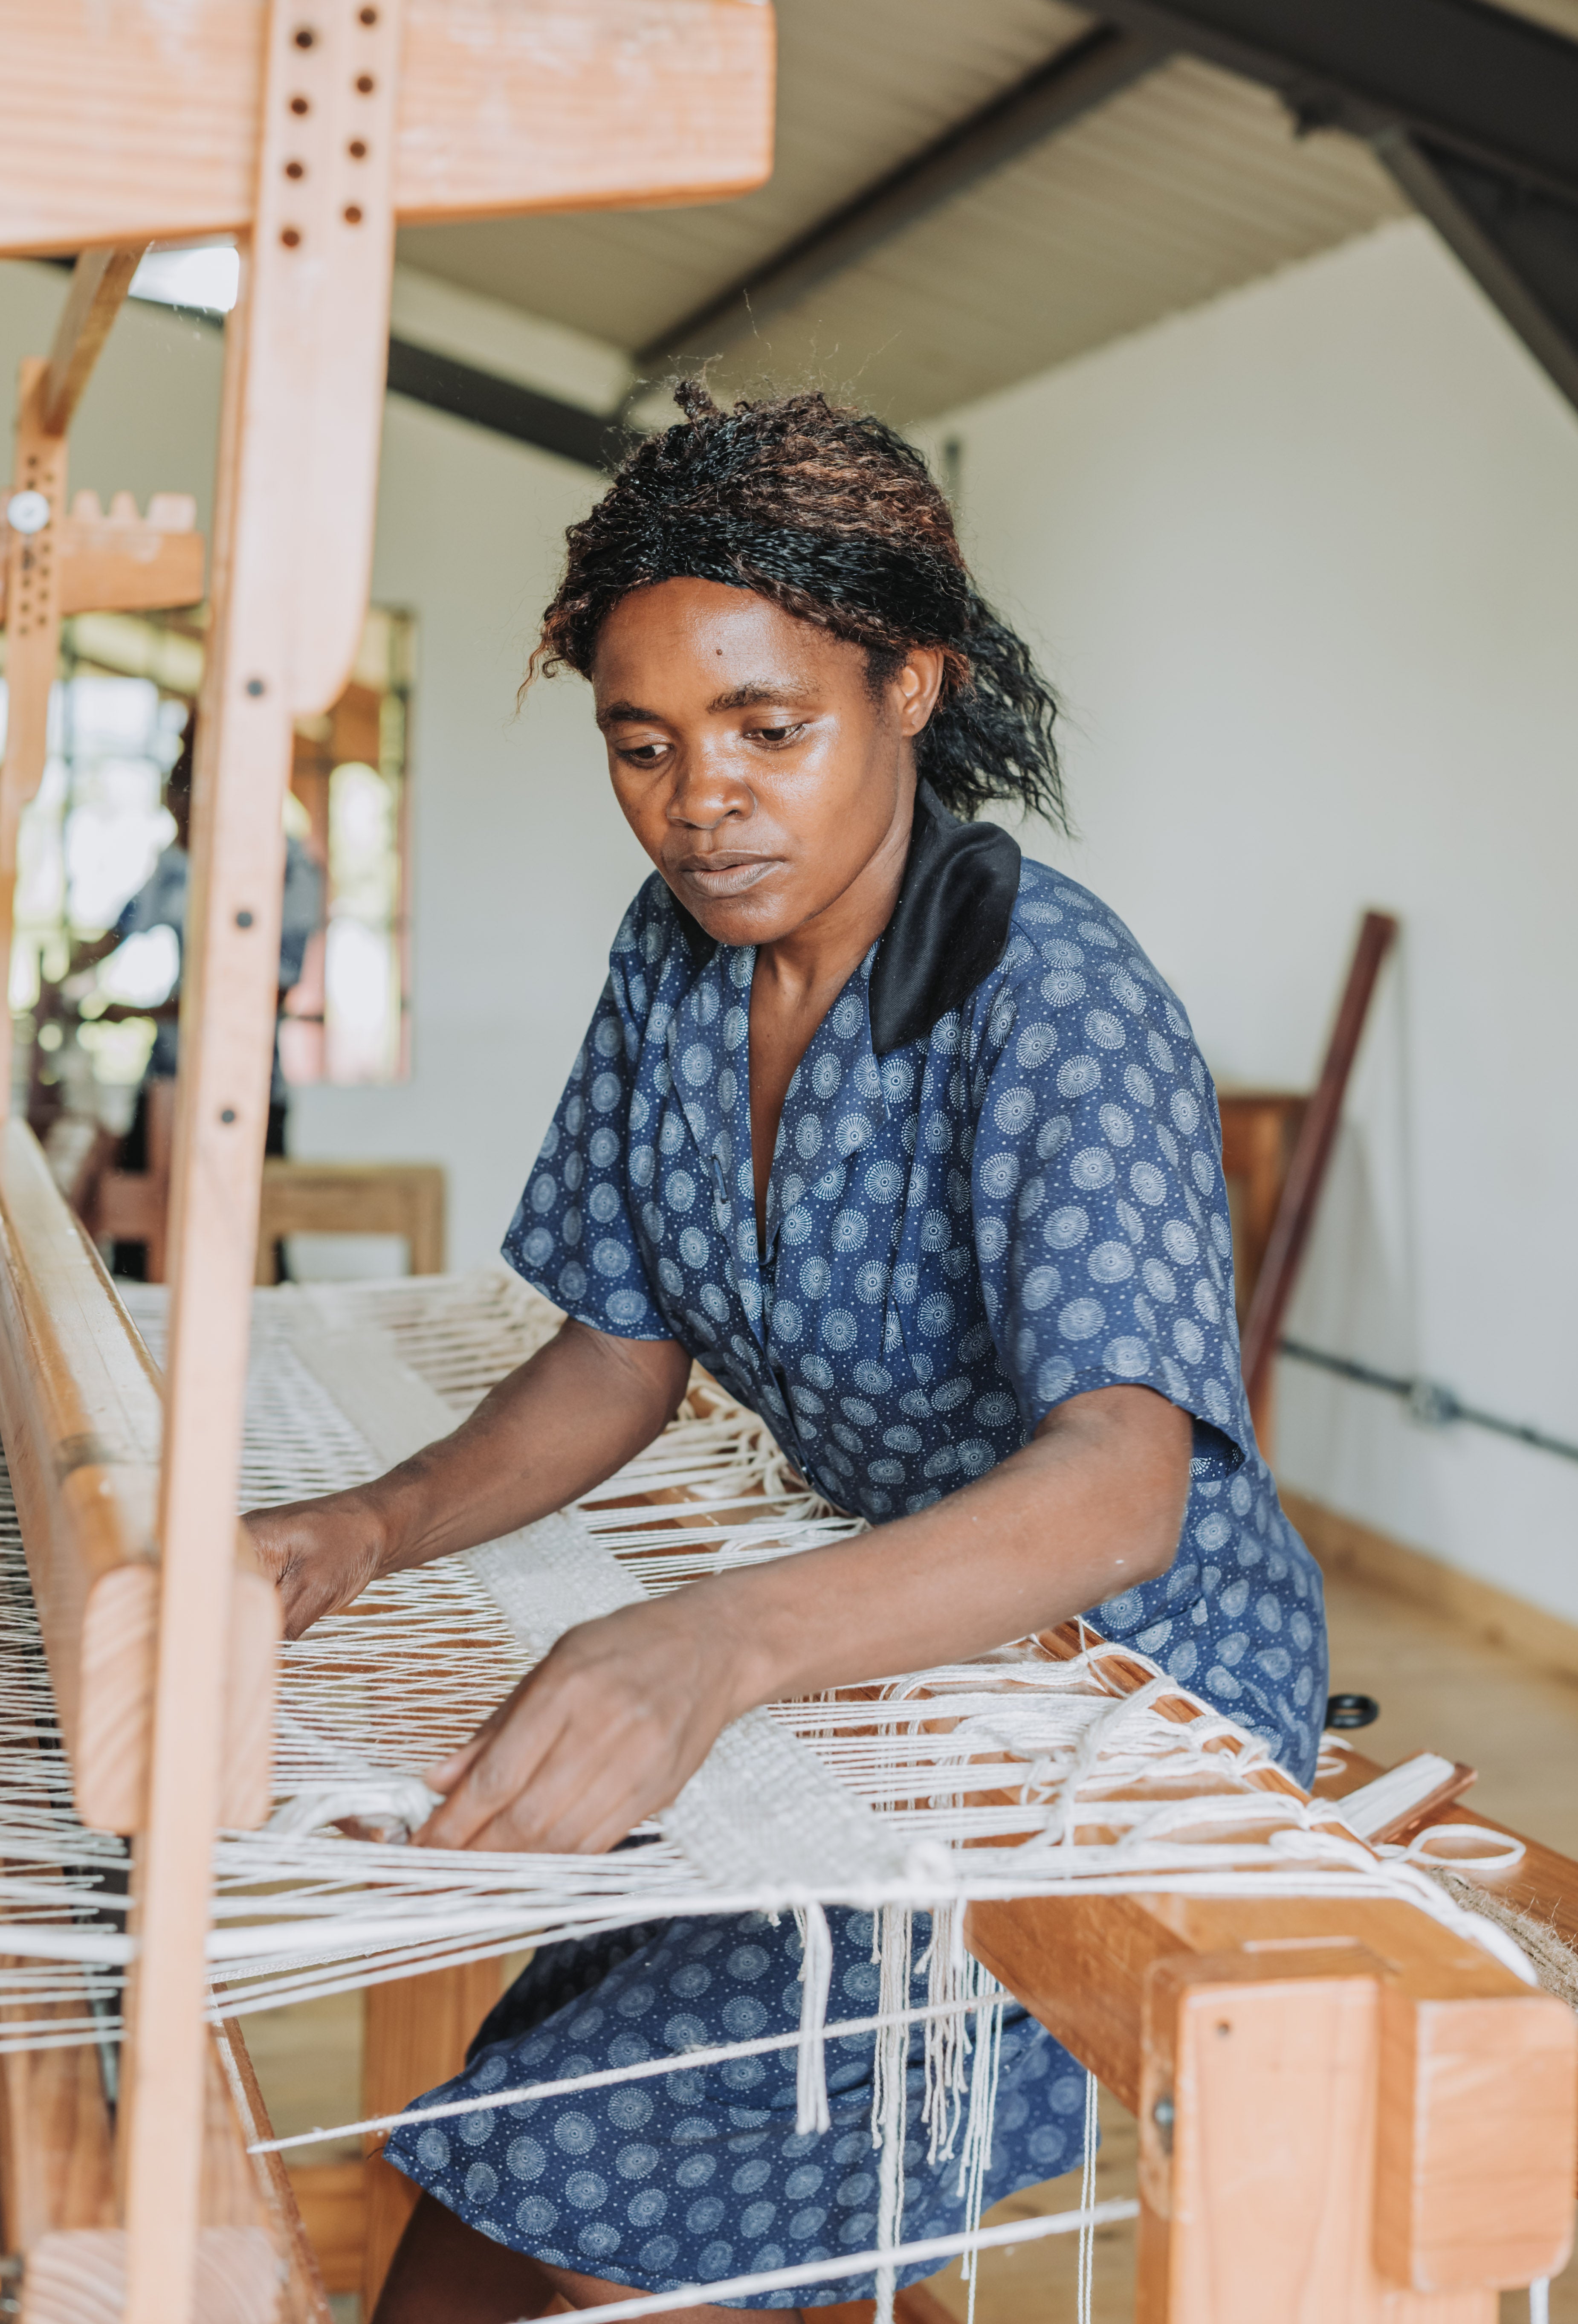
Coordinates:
[365,83]
[299,105]
[295,169]
[290,237]
[368,16]
[306,37]
[352,214]
[357,150]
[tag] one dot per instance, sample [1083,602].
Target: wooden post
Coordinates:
[416,2031]
[48,394]
[1384,2134]
[302,415]
[1306,1172]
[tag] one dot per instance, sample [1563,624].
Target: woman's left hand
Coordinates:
[608,1728]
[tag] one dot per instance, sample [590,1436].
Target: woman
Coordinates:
[905,1139]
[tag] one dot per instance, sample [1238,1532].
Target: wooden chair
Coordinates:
[386,1198]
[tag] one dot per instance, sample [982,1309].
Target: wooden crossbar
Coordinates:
[504,105]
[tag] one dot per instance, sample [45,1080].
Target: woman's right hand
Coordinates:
[319,1555]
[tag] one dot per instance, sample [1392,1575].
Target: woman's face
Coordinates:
[752,759]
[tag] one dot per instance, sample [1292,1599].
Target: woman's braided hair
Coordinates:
[831,515]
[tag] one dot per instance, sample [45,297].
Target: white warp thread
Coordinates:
[760,1807]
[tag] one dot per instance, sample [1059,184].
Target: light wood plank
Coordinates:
[300,417]
[418,2029]
[100,280]
[81,1421]
[506,106]
[33,642]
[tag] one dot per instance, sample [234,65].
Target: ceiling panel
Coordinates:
[1185,186]
[863,84]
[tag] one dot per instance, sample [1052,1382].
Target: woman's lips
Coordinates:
[728,879]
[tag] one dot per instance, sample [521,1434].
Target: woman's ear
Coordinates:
[919,682]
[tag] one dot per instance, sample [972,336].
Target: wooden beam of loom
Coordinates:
[121,561]
[1345,2109]
[504,105]
[82,1421]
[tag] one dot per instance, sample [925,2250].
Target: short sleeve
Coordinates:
[574,1234]
[1100,1211]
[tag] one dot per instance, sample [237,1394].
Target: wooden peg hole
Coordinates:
[290,237]
[295,169]
[300,105]
[357,150]
[352,214]
[306,37]
[369,16]
[365,83]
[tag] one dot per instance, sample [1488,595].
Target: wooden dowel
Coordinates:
[1306,1171]
[100,280]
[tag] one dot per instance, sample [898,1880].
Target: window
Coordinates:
[93,835]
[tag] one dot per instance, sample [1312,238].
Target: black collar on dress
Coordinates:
[949,927]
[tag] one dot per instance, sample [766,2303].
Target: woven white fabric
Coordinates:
[761,1807]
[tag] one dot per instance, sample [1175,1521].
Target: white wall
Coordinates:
[521,863]
[1304,563]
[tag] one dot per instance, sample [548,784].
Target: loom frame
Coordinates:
[1377,2024]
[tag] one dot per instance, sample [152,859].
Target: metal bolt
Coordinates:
[243,920]
[1164,2115]
[227,1114]
[27,511]
[254,686]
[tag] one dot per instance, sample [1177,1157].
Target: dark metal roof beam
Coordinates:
[1474,78]
[1519,242]
[1080,77]
[1473,111]
[591,439]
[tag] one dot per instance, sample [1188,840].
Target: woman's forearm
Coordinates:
[566,1419]
[561,1423]
[1090,1506]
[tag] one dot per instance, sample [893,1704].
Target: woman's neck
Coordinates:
[799,977]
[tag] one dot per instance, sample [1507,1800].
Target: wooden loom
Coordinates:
[1385,2131]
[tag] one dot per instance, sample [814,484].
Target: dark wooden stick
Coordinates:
[1306,1172]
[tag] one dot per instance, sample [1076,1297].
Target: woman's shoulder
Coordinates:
[1069,951]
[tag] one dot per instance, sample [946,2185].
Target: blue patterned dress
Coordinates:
[997,1184]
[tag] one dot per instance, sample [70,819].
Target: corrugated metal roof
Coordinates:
[861,85]
[1189,183]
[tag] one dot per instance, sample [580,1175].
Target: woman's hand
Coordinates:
[608,1728]
[319,1555]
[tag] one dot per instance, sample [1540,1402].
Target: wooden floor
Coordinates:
[1439,1688]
